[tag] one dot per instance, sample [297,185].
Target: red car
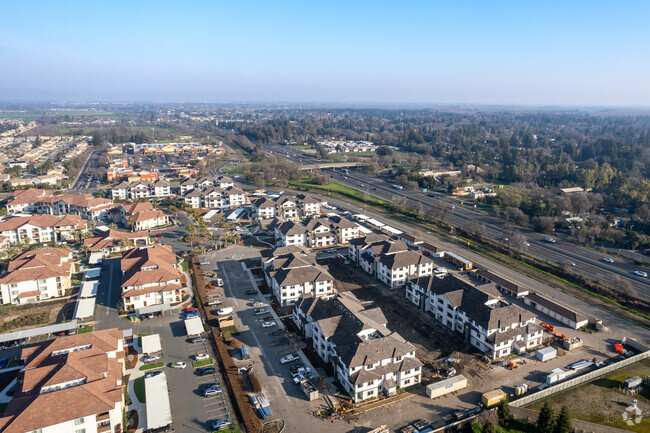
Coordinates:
[191,310]
[159,235]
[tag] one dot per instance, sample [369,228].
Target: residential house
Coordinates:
[308,205]
[150,276]
[263,208]
[69,384]
[38,275]
[477,313]
[143,216]
[363,354]
[287,208]
[290,233]
[42,228]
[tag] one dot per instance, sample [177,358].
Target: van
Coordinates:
[219,282]
[224,311]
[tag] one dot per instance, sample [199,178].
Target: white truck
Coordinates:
[398,187]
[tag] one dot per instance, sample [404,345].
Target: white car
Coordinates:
[268,324]
[640,273]
[439,271]
[201,356]
[150,358]
[289,358]
[179,364]
[551,240]
[211,391]
[608,260]
[204,263]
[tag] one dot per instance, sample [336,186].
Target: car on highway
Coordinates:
[201,356]
[204,371]
[640,273]
[150,358]
[149,374]
[159,235]
[571,263]
[208,392]
[551,240]
[204,263]
[178,364]
[289,358]
[220,424]
[608,260]
[268,324]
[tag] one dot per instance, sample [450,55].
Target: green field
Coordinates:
[338,188]
[28,117]
[138,388]
[202,363]
[300,146]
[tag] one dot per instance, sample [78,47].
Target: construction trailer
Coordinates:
[492,398]
[546,354]
[446,386]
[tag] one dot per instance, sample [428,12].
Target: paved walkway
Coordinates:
[136,405]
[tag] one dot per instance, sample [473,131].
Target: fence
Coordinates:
[582,379]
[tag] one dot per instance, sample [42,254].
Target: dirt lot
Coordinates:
[604,402]
[13,318]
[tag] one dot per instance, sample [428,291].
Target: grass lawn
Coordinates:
[202,363]
[359,153]
[337,188]
[85,329]
[230,430]
[152,365]
[185,266]
[300,146]
[229,331]
[138,388]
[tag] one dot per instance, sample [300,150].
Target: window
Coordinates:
[40,430]
[83,430]
[78,421]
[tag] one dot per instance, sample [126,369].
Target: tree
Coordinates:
[37,143]
[112,226]
[563,422]
[545,422]
[489,427]
[503,411]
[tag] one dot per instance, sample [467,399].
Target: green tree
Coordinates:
[545,422]
[489,427]
[563,422]
[38,142]
[504,413]
[112,226]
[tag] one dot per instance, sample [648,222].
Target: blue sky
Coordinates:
[426,52]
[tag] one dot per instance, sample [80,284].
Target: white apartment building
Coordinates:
[366,357]
[150,276]
[41,228]
[394,269]
[263,208]
[477,313]
[215,197]
[39,275]
[222,182]
[290,233]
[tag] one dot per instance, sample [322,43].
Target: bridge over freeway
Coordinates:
[331,165]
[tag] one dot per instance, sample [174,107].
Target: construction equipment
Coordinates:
[550,328]
[618,348]
[512,365]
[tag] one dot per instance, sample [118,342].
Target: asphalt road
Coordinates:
[587,261]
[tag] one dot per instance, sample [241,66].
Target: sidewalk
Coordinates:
[136,405]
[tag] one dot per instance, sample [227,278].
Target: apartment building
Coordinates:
[505,286]
[308,205]
[141,190]
[222,182]
[115,241]
[290,233]
[41,228]
[315,232]
[142,216]
[215,197]
[365,356]
[263,208]
[297,274]
[477,313]
[286,207]
[70,384]
[43,201]
[150,276]
[39,275]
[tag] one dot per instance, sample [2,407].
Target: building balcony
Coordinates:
[103,416]
[104,428]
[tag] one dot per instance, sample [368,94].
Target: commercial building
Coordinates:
[70,384]
[34,276]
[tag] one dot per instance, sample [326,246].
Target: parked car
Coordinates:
[197,340]
[23,341]
[268,324]
[220,424]
[201,356]
[179,364]
[191,310]
[277,333]
[608,260]
[204,371]
[150,358]
[219,282]
[209,385]
[260,311]
[208,392]
[440,271]
[4,362]
[289,358]
[204,263]
[149,374]
[214,303]
[159,235]
[251,292]
[224,311]
[639,273]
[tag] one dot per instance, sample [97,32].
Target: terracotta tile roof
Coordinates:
[147,215]
[131,208]
[159,257]
[29,294]
[38,264]
[44,221]
[151,289]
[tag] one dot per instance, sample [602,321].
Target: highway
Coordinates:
[583,260]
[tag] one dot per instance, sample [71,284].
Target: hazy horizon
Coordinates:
[534,54]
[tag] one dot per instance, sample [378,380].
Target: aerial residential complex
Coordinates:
[42,201]
[41,228]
